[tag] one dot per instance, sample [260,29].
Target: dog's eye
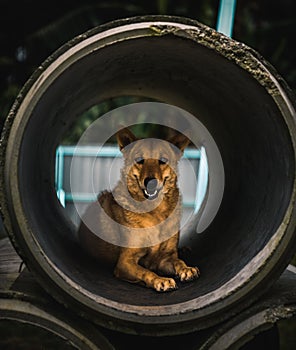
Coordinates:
[163,160]
[139,160]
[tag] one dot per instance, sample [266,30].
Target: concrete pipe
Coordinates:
[254,328]
[264,325]
[247,109]
[30,318]
[36,326]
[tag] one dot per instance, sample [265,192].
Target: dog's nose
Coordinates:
[150,184]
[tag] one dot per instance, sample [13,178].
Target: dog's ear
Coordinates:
[181,141]
[125,137]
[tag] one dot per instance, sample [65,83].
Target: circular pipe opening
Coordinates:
[26,322]
[245,107]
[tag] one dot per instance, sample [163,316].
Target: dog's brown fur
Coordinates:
[135,259]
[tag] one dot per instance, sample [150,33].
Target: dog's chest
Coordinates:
[164,215]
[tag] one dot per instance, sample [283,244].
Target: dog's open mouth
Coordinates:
[151,195]
[151,188]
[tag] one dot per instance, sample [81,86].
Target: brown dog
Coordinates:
[136,226]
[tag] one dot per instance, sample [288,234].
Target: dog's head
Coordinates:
[150,164]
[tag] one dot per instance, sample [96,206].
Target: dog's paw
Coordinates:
[188,273]
[163,284]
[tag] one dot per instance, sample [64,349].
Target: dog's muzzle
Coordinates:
[151,188]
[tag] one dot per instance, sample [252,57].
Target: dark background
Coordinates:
[31,30]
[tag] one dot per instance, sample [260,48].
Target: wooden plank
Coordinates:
[10,264]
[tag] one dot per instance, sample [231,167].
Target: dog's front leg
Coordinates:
[128,268]
[185,273]
[170,263]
